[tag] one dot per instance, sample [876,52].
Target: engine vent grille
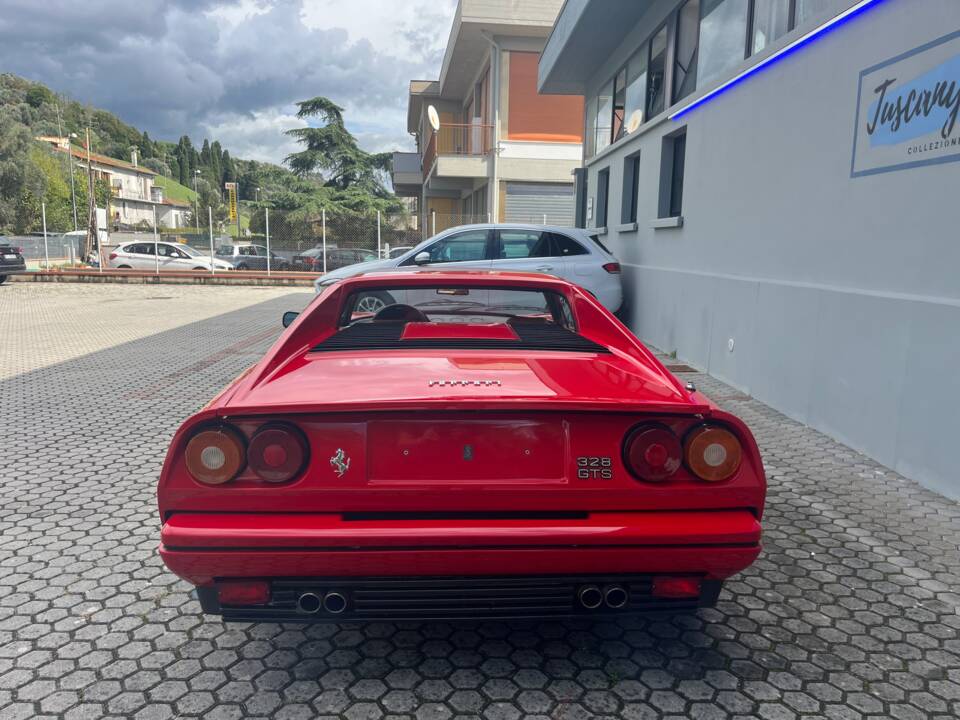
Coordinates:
[387,336]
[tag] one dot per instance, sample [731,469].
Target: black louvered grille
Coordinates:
[387,336]
[450,598]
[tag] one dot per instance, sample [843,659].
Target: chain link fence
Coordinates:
[274,242]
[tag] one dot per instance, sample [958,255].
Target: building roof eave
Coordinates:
[585,33]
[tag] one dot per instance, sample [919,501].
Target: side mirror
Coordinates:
[288,317]
[422,258]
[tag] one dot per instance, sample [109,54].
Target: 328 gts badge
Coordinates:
[594,467]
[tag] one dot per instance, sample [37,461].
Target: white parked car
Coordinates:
[573,254]
[139,255]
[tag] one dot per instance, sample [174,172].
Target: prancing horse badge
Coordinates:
[340,462]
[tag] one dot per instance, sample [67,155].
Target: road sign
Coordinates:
[231,188]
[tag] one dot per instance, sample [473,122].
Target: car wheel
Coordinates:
[200,267]
[243,266]
[124,267]
[3,279]
[374,302]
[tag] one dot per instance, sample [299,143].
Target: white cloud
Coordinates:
[258,136]
[232,70]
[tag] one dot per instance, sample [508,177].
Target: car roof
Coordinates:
[518,226]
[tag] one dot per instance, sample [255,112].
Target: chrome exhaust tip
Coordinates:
[615,596]
[334,603]
[309,603]
[590,597]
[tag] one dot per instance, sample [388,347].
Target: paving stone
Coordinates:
[850,612]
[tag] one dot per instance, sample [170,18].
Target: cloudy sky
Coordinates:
[232,69]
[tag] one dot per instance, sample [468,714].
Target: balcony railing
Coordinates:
[458,139]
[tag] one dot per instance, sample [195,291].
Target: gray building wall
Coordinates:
[841,295]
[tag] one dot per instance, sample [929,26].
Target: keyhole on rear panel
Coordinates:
[468,452]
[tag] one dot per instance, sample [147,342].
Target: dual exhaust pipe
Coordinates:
[332,602]
[614,597]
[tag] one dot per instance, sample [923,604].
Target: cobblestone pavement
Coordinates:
[851,612]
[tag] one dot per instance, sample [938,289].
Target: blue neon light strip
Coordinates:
[819,30]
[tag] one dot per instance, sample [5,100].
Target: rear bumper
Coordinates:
[202,548]
[13,269]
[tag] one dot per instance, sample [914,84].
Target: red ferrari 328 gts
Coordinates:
[487,445]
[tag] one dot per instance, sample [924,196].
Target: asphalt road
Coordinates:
[851,612]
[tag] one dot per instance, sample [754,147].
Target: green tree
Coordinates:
[332,151]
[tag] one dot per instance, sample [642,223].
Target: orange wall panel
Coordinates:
[544,118]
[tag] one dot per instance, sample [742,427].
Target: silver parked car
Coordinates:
[573,254]
[140,255]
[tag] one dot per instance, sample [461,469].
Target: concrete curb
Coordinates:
[176,278]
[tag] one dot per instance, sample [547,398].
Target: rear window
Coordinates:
[457,317]
[457,305]
[596,240]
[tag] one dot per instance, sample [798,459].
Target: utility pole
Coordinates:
[73,191]
[91,211]
[196,201]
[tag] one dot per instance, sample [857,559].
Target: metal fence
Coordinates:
[275,242]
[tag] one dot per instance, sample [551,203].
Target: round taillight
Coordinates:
[216,455]
[277,452]
[712,453]
[652,453]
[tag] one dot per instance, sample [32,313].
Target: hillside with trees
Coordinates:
[331,173]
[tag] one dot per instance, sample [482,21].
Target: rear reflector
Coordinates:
[652,453]
[612,268]
[676,587]
[243,592]
[277,452]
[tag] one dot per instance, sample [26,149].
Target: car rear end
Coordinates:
[541,466]
[460,514]
[601,273]
[11,259]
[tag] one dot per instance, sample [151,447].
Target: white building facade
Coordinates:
[777,178]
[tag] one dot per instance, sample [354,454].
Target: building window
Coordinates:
[771,21]
[603,192]
[604,117]
[631,189]
[590,136]
[685,57]
[580,190]
[723,33]
[672,163]
[656,73]
[636,91]
[619,104]
[807,9]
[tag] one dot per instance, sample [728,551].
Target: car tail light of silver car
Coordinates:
[216,455]
[612,267]
[652,453]
[277,452]
[712,453]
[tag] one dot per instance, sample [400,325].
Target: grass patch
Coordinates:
[174,190]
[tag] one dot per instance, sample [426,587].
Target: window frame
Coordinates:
[488,250]
[672,26]
[603,198]
[667,204]
[630,196]
[498,244]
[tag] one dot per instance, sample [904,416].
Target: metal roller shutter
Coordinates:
[529,202]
